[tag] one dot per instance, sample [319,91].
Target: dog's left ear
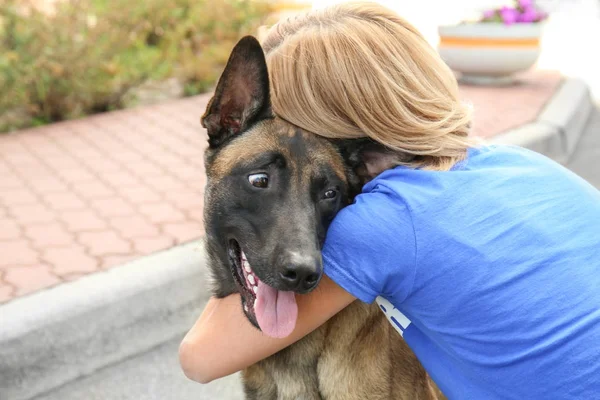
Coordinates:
[242,95]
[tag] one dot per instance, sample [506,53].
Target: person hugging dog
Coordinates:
[486,256]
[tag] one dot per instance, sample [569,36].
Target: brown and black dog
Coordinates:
[272,192]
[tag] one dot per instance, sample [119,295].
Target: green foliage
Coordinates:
[86,55]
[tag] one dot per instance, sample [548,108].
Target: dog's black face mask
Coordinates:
[272,189]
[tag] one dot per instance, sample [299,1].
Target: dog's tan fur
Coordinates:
[357,355]
[263,138]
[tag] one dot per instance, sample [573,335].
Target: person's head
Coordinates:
[359,70]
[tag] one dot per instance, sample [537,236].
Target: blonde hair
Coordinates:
[359,70]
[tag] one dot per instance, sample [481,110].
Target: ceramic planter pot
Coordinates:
[490,53]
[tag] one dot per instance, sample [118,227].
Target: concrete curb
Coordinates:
[57,335]
[559,126]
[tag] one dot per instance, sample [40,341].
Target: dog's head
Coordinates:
[271,194]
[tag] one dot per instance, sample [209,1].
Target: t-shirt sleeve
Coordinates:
[370,248]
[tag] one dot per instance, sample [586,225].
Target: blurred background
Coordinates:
[101,163]
[571,25]
[64,59]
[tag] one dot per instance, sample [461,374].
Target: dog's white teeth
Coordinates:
[255,288]
[243,256]
[251,279]
[247,266]
[246,307]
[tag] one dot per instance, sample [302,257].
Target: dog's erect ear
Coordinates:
[242,95]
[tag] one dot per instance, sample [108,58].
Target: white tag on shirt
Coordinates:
[396,318]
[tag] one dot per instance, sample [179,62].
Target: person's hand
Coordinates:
[223,341]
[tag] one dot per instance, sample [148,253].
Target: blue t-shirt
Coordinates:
[490,271]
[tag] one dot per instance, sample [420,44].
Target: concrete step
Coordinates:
[58,335]
[153,375]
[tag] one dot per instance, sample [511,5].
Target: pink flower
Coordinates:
[529,14]
[509,15]
[541,16]
[525,3]
[489,14]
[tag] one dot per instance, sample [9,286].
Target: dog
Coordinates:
[272,191]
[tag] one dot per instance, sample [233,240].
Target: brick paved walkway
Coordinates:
[82,196]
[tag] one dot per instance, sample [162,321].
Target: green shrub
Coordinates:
[86,55]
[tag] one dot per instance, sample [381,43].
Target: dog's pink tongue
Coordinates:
[276,311]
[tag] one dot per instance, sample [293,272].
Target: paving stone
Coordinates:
[46,184]
[47,235]
[112,207]
[16,197]
[73,277]
[93,190]
[17,252]
[151,245]
[184,231]
[22,157]
[127,156]
[187,171]
[33,214]
[9,229]
[11,182]
[496,110]
[164,183]
[11,145]
[62,162]
[140,195]
[115,261]
[70,260]
[64,201]
[187,199]
[38,143]
[102,165]
[120,179]
[104,243]
[6,292]
[145,169]
[161,212]
[75,176]
[134,226]
[82,220]
[30,278]
[197,214]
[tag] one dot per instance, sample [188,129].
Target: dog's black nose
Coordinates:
[301,274]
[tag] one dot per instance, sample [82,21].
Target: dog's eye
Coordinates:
[259,180]
[330,194]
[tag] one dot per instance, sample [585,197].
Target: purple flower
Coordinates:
[489,14]
[541,16]
[529,14]
[509,15]
[525,3]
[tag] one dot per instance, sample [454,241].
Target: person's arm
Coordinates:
[223,341]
